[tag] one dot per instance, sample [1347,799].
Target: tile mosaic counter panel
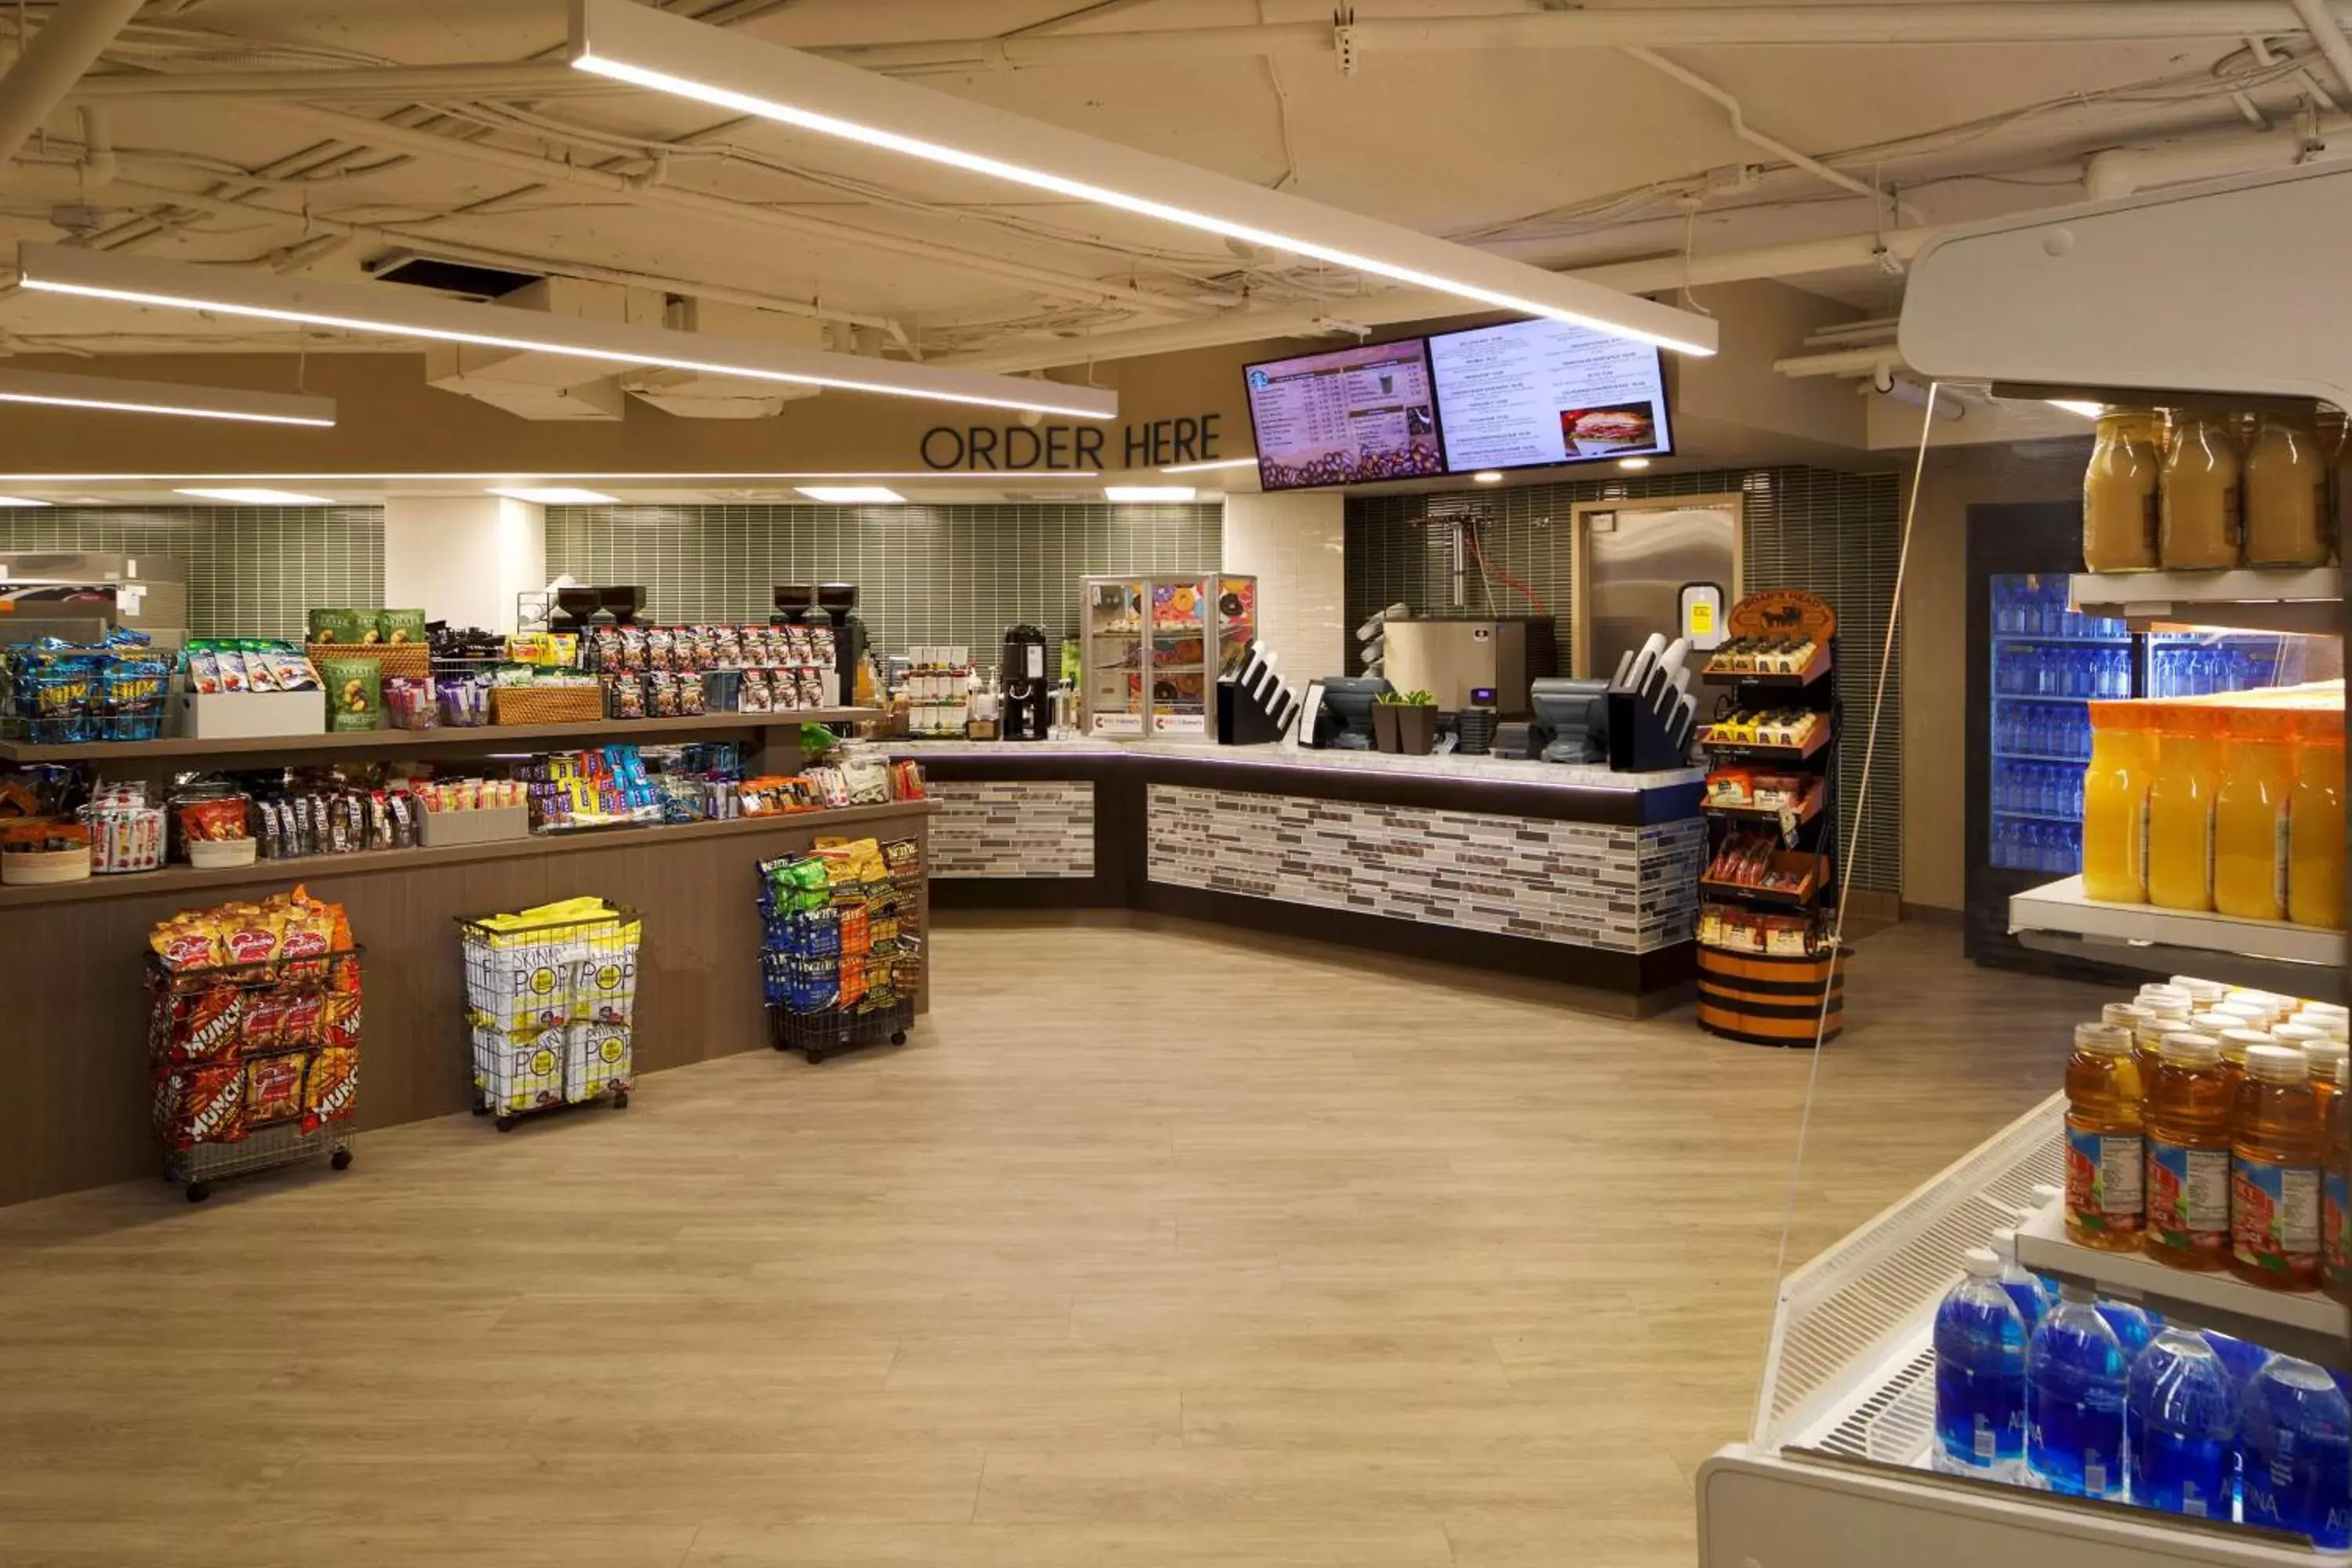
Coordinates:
[1012,827]
[1619,889]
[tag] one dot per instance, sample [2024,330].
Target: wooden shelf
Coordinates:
[1815,668]
[320,868]
[1748,752]
[1769,816]
[485,738]
[1760,898]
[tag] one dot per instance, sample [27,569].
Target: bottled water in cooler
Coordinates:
[2025,1288]
[2076,1384]
[2180,1425]
[2295,1452]
[1980,1389]
[2132,1326]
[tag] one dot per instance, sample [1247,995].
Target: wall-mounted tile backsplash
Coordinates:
[251,571]
[924,573]
[1837,534]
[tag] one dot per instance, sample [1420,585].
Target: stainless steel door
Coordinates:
[1635,563]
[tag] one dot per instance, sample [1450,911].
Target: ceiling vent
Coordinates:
[696,394]
[535,384]
[459,279]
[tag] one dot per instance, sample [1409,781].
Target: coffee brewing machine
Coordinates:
[1026,710]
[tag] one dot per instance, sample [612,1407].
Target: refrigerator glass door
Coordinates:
[1180,655]
[2048,663]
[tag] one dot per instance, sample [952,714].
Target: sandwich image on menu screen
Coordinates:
[1533,393]
[1349,417]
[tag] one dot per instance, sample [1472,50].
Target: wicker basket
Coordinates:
[404,662]
[546,704]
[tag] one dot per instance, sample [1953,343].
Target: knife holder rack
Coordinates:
[1638,742]
[1242,719]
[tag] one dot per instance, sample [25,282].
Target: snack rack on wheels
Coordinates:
[254,1064]
[840,966]
[2081,306]
[551,997]
[1768,898]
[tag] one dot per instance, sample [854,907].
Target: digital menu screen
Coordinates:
[1349,417]
[1531,393]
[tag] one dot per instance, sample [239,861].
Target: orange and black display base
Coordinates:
[1764,1000]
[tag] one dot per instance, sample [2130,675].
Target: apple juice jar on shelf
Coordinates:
[2119,495]
[2274,1183]
[2188,1131]
[2285,495]
[2250,813]
[2180,806]
[2115,802]
[2199,500]
[2105,1154]
[2314,825]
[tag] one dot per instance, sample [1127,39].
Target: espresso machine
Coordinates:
[1027,702]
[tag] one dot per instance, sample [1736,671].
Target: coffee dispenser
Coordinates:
[1027,691]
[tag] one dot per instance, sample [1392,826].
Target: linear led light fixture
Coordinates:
[1147,492]
[555,494]
[115,395]
[746,76]
[852,495]
[244,495]
[373,308]
[1206,467]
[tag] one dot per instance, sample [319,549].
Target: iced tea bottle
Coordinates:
[2148,1041]
[2275,1151]
[2188,1130]
[2105,1154]
[2335,1216]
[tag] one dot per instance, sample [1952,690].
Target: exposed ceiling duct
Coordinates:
[76,34]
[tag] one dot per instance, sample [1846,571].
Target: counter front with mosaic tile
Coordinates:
[1572,873]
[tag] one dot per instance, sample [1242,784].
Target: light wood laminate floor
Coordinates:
[1151,1249]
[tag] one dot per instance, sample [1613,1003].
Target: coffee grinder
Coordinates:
[1027,711]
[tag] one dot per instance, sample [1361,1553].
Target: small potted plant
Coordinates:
[1384,720]
[1416,723]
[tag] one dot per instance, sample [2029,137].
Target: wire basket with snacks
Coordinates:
[551,1004]
[839,968]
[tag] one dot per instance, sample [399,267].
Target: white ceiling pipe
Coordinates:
[362,84]
[1878,361]
[2329,36]
[1043,279]
[77,32]
[2119,172]
[1876,329]
[1901,389]
[1749,135]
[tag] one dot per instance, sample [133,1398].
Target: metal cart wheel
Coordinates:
[340,1160]
[505,1123]
[897,1037]
[620,1099]
[481,1107]
[814,1056]
[199,1191]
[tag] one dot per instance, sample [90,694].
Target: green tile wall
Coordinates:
[925,574]
[251,571]
[1836,534]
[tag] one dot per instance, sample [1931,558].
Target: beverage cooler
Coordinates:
[1153,646]
[2035,666]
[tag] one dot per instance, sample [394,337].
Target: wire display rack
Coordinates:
[254,1065]
[551,1011]
[843,973]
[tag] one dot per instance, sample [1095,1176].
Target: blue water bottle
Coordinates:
[2180,1425]
[1979,1375]
[2023,1286]
[2132,1329]
[2295,1435]
[2076,1381]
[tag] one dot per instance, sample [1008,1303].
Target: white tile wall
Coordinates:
[1295,545]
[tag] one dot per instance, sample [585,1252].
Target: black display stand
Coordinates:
[1639,740]
[1763,997]
[1242,719]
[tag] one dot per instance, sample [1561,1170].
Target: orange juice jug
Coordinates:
[2250,815]
[2180,807]
[2115,802]
[2106,1156]
[2275,1151]
[2314,823]
[2187,1132]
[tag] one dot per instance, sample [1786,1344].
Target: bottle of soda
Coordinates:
[2106,1153]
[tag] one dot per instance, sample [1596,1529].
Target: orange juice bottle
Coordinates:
[2274,1154]
[2180,806]
[2106,1157]
[2188,1130]
[2314,823]
[2250,813]
[2115,802]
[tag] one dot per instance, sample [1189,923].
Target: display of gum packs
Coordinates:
[595,1059]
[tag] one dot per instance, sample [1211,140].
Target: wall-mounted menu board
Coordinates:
[1348,416]
[1534,394]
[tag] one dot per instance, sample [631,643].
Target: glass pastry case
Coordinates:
[1152,646]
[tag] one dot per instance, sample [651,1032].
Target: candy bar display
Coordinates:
[332,817]
[569,791]
[252,1016]
[551,997]
[838,966]
[56,693]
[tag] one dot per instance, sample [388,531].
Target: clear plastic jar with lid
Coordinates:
[2120,515]
[2199,506]
[2285,495]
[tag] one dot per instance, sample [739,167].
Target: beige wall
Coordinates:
[1293,545]
[1935,644]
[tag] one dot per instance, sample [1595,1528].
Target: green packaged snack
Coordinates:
[348,627]
[400,625]
[354,694]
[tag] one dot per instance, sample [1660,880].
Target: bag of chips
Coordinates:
[273,1087]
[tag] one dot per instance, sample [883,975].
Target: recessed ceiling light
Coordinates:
[240,495]
[20,501]
[1205,468]
[1487,477]
[1632,462]
[852,495]
[749,76]
[116,394]
[409,313]
[555,494]
[1149,492]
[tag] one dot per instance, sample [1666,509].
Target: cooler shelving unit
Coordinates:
[1833,1473]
